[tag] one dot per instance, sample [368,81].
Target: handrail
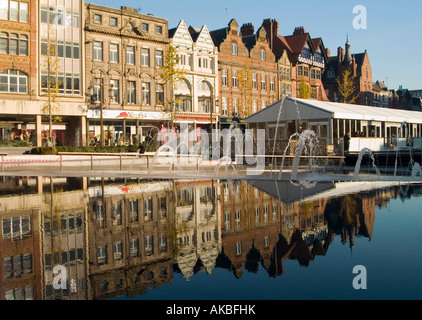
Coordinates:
[3,154]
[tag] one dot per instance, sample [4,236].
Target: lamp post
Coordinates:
[99,97]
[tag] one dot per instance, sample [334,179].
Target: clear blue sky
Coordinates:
[393,37]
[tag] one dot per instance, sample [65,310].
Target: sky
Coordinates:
[392,37]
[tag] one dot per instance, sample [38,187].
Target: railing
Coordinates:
[2,155]
[121,156]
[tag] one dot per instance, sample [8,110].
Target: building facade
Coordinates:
[124,52]
[196,96]
[300,59]
[247,71]
[361,72]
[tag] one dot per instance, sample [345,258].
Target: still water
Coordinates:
[102,238]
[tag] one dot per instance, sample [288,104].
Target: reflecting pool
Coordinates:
[67,238]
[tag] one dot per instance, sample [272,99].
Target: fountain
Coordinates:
[359,161]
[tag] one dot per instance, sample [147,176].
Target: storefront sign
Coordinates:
[124,114]
[7,125]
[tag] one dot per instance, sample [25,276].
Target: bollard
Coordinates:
[92,162]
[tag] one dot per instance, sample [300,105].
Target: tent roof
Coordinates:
[293,109]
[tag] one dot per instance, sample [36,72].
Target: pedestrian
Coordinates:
[141,148]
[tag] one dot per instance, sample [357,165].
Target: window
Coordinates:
[131,92]
[162,243]
[159,90]
[115,91]
[159,58]
[98,18]
[238,248]
[313,74]
[203,63]
[158,29]
[96,96]
[272,84]
[14,11]
[305,71]
[114,53]
[185,103]
[145,57]
[149,245]
[118,250]
[224,77]
[98,51]
[117,214]
[16,228]
[13,44]
[133,210]
[134,247]
[145,27]
[254,106]
[224,107]
[130,55]
[254,81]
[13,81]
[263,83]
[262,54]
[162,208]
[99,214]
[148,209]
[318,74]
[234,49]
[235,81]
[313,92]
[146,93]
[102,255]
[113,21]
[235,108]
[299,71]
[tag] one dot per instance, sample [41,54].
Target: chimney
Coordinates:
[299,30]
[271,27]
[247,29]
[340,53]
[328,52]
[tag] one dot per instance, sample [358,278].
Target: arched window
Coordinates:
[13,44]
[184,96]
[4,42]
[13,81]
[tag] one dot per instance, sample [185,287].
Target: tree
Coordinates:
[50,86]
[170,74]
[346,87]
[304,91]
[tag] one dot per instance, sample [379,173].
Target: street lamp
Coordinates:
[99,97]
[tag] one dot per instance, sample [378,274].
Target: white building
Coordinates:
[197,94]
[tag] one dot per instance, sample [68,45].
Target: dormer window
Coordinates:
[306,53]
[331,74]
[234,49]
[262,54]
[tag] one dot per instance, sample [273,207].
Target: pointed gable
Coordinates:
[203,39]
[181,35]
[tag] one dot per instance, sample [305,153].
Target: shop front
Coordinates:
[122,127]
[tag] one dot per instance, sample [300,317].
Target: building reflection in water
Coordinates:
[118,237]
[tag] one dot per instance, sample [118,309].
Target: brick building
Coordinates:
[299,57]
[360,67]
[247,71]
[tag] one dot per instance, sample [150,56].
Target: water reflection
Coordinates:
[121,237]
